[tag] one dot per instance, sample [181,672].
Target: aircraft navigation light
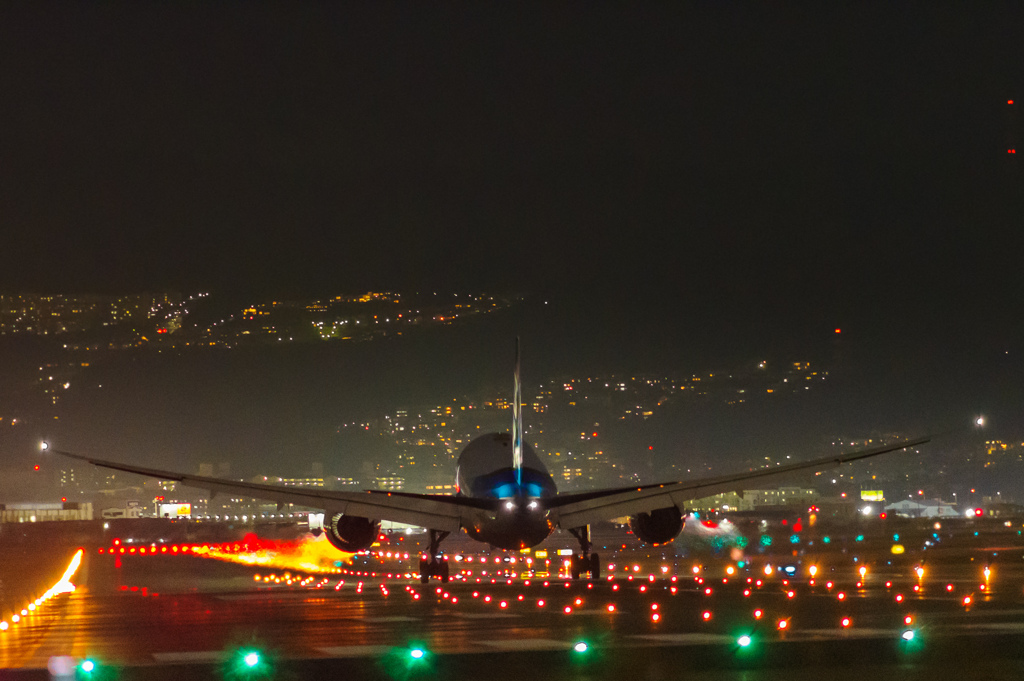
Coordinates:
[44,445]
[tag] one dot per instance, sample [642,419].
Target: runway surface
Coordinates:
[172,616]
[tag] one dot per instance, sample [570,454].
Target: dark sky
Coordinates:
[687,185]
[749,169]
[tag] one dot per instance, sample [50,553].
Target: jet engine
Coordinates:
[660,526]
[351,533]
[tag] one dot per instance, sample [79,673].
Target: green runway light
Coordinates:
[860,537]
[907,635]
[826,539]
[581,647]
[743,641]
[87,666]
[251,659]
[416,653]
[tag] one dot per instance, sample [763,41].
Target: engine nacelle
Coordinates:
[660,526]
[351,533]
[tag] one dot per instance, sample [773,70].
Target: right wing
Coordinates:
[433,511]
[577,510]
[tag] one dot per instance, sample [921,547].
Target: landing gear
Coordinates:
[433,564]
[584,562]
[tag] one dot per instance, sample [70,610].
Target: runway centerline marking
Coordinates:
[525,644]
[191,656]
[686,639]
[355,651]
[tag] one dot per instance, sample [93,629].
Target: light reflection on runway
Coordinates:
[145,610]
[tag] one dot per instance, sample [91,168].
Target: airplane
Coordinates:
[505,497]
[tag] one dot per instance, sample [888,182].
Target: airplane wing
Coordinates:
[437,512]
[577,510]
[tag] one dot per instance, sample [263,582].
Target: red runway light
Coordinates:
[845,622]
[758,613]
[783,624]
[706,615]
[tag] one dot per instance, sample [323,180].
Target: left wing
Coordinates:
[577,510]
[436,512]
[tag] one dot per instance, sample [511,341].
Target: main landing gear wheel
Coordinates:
[584,562]
[431,564]
[434,568]
[585,565]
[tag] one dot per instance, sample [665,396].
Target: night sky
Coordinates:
[673,179]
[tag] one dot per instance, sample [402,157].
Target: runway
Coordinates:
[162,616]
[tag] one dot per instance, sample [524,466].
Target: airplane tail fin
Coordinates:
[517,423]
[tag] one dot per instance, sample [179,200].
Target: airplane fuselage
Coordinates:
[521,520]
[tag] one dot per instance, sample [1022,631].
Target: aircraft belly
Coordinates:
[510,531]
